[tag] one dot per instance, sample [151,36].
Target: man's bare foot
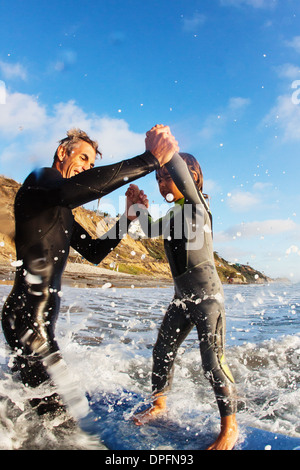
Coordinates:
[228,435]
[158,407]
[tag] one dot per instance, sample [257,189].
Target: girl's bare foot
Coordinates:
[158,407]
[229,428]
[228,435]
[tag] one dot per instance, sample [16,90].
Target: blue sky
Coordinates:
[223,74]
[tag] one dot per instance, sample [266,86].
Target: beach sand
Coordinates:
[85,275]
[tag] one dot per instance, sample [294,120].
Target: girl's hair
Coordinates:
[193,165]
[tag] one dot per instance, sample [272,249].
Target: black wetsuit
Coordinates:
[199,298]
[45,230]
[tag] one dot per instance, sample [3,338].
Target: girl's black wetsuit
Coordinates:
[199,298]
[45,230]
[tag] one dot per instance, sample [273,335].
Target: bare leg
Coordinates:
[158,407]
[228,435]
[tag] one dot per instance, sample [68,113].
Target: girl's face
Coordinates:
[168,188]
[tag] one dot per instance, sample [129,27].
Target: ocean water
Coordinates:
[107,335]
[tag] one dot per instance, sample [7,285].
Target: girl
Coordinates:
[198,299]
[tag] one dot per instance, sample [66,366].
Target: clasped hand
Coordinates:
[135,198]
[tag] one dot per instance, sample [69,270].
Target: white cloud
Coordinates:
[211,187]
[12,71]
[258,229]
[238,103]
[29,134]
[288,71]
[21,112]
[261,187]
[294,43]
[242,201]
[191,25]
[285,116]
[256,198]
[215,123]
[252,3]
[117,140]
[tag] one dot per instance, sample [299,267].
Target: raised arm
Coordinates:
[98,182]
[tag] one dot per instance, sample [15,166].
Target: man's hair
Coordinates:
[74,137]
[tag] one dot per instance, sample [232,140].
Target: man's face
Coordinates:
[80,159]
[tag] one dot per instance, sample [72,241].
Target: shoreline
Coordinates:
[83,275]
[88,276]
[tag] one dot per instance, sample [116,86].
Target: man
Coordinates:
[45,230]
